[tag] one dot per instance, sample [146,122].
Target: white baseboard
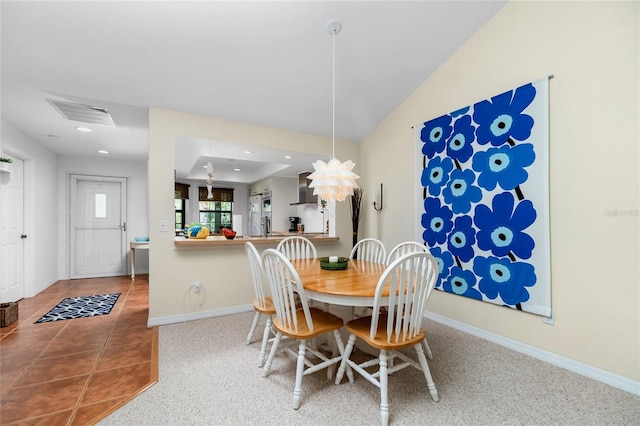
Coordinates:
[586,370]
[35,291]
[174,319]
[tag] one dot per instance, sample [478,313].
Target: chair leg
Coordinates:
[427,349]
[272,354]
[297,390]
[334,350]
[338,337]
[427,373]
[345,357]
[265,339]
[384,390]
[253,327]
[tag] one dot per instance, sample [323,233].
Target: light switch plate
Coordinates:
[163,226]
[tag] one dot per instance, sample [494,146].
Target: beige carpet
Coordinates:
[208,376]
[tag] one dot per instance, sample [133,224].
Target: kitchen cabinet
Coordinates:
[261,186]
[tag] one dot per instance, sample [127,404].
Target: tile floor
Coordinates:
[78,371]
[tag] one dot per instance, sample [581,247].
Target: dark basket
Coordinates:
[8,313]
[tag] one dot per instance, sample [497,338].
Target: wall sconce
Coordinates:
[374,203]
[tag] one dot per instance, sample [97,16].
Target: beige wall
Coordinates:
[224,273]
[592,50]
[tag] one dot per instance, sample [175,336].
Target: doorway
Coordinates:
[12,237]
[98,226]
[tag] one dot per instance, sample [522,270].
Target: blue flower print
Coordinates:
[461,282]
[436,174]
[501,230]
[445,262]
[460,191]
[459,144]
[504,278]
[504,166]
[436,221]
[434,134]
[502,117]
[460,111]
[462,238]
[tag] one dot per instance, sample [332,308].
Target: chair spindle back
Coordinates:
[410,280]
[285,283]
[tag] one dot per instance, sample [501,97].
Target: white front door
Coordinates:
[98,226]
[11,232]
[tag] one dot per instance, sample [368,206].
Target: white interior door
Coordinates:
[98,226]
[12,232]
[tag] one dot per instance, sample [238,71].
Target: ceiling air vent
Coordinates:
[83,113]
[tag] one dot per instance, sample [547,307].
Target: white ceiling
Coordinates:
[267,63]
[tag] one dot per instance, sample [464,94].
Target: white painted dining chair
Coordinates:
[411,279]
[369,249]
[298,321]
[372,250]
[297,247]
[262,304]
[403,248]
[400,250]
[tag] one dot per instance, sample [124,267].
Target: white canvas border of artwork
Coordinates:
[539,302]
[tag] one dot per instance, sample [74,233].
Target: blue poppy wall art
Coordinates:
[484,196]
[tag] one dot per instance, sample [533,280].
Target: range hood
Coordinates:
[305,194]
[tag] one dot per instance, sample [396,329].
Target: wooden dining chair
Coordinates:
[372,250]
[298,321]
[410,280]
[369,249]
[262,304]
[403,248]
[400,250]
[297,247]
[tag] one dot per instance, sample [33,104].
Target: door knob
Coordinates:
[23,236]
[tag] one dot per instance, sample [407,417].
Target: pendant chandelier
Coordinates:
[333,181]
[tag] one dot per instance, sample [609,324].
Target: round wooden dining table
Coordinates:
[354,286]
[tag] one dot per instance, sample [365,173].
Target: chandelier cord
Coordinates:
[333,106]
[333,181]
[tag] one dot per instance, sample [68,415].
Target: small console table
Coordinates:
[135,245]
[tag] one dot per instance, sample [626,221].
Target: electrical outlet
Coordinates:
[196,287]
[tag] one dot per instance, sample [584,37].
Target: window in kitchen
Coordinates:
[181,194]
[179,214]
[216,212]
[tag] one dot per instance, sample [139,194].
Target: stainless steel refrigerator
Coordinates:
[255,215]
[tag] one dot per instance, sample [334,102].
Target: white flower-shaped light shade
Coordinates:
[333,181]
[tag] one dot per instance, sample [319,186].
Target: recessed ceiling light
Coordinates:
[54,137]
[248,152]
[236,170]
[102,151]
[83,129]
[287,157]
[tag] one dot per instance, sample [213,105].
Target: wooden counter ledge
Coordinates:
[221,241]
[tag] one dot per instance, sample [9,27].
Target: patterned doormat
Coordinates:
[81,307]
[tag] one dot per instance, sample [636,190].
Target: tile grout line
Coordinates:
[130,293]
[12,386]
[97,361]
